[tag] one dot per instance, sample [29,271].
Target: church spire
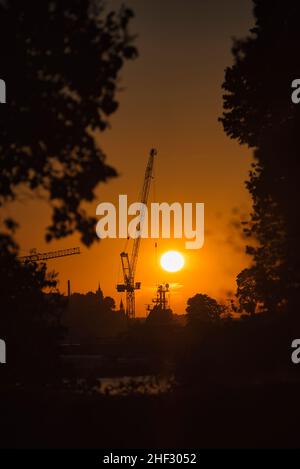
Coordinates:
[99,293]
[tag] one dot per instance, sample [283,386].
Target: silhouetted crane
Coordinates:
[129,266]
[35,256]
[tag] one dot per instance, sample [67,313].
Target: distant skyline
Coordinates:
[170,99]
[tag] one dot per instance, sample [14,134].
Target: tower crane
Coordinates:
[129,284]
[36,256]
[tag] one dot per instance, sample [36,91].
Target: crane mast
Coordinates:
[129,266]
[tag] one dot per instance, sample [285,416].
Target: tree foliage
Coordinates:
[258,112]
[61,62]
[30,320]
[202,309]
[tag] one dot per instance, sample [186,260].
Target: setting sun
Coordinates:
[172,261]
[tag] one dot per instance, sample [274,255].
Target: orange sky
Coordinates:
[171,100]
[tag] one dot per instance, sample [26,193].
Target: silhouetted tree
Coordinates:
[92,316]
[109,303]
[61,63]
[258,112]
[246,291]
[30,317]
[202,309]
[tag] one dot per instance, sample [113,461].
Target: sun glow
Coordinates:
[172,261]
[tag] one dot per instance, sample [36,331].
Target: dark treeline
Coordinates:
[92,316]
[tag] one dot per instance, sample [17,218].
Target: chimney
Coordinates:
[69,288]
